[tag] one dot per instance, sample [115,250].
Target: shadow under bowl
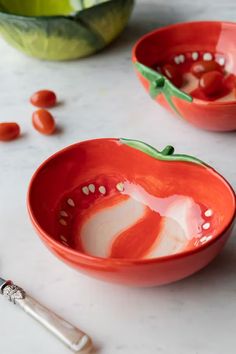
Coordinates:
[62,30]
[183,44]
[121,211]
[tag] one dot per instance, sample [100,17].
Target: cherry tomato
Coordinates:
[9,131]
[173,74]
[201,67]
[43,99]
[212,83]
[43,121]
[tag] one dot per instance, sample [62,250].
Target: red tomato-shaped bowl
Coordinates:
[183,44]
[124,212]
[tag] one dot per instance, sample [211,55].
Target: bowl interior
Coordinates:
[46,7]
[106,199]
[187,38]
[184,44]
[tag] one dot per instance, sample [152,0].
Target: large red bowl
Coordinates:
[121,211]
[217,39]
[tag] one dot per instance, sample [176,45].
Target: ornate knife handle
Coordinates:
[71,336]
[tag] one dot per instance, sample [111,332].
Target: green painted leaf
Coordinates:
[158,83]
[148,73]
[166,154]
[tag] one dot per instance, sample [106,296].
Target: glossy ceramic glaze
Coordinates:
[215,39]
[62,30]
[142,218]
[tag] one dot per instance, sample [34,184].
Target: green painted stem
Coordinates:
[160,82]
[169,150]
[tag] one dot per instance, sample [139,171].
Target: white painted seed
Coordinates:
[208,213]
[120,187]
[63,238]
[181,58]
[102,190]
[64,213]
[195,55]
[70,202]
[206,226]
[221,61]
[207,56]
[205,239]
[91,187]
[176,60]
[85,190]
[63,222]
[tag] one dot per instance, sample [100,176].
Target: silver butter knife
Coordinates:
[71,336]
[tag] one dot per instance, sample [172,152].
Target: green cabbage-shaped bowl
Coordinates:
[62,29]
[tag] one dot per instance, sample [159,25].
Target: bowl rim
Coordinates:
[49,240]
[173,26]
[51,17]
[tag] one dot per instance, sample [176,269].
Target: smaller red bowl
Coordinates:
[122,211]
[183,44]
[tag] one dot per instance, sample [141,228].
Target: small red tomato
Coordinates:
[201,67]
[212,83]
[9,131]
[43,99]
[43,121]
[173,74]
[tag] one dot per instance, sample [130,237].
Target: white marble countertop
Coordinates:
[101,97]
